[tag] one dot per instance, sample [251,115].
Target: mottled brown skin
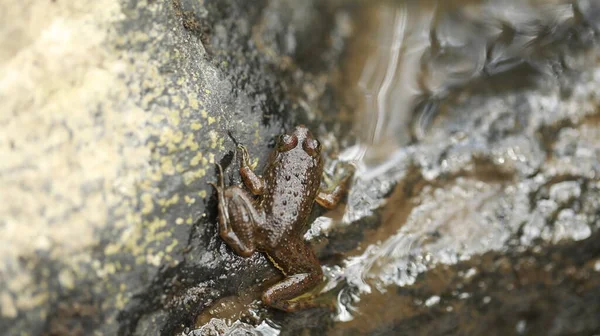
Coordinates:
[275,220]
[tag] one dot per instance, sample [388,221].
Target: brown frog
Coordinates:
[274,222]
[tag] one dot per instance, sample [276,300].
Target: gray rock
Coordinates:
[113,117]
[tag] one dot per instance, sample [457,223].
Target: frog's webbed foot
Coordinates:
[255,183]
[286,295]
[237,217]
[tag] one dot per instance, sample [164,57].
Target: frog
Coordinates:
[272,216]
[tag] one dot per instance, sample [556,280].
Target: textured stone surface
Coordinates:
[113,116]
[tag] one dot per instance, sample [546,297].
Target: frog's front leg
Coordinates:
[255,183]
[331,198]
[302,273]
[237,217]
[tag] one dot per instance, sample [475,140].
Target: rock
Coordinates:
[113,117]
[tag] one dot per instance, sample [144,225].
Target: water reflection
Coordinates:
[422,52]
[440,81]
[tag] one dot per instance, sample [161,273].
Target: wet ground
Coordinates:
[473,125]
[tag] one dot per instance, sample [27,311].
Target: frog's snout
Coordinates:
[302,132]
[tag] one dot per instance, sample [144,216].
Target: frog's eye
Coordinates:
[287,142]
[312,147]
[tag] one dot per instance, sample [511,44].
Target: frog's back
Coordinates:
[292,180]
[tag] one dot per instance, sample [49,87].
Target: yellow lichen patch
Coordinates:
[177,136]
[221,147]
[171,246]
[157,118]
[120,301]
[155,225]
[155,175]
[112,248]
[211,120]
[179,221]
[147,204]
[121,297]
[202,193]
[196,159]
[153,259]
[196,126]
[177,101]
[66,280]
[173,117]
[193,102]
[214,138]
[193,175]
[166,165]
[173,200]
[8,307]
[108,269]
[160,236]
[27,302]
[169,138]
[168,202]
[204,114]
[189,200]
[140,259]
[146,185]
[190,142]
[122,208]
[189,221]
[165,136]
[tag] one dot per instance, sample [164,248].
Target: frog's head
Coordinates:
[299,136]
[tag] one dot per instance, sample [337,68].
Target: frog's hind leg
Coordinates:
[302,273]
[243,216]
[237,217]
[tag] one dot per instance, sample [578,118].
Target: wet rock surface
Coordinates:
[541,291]
[486,221]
